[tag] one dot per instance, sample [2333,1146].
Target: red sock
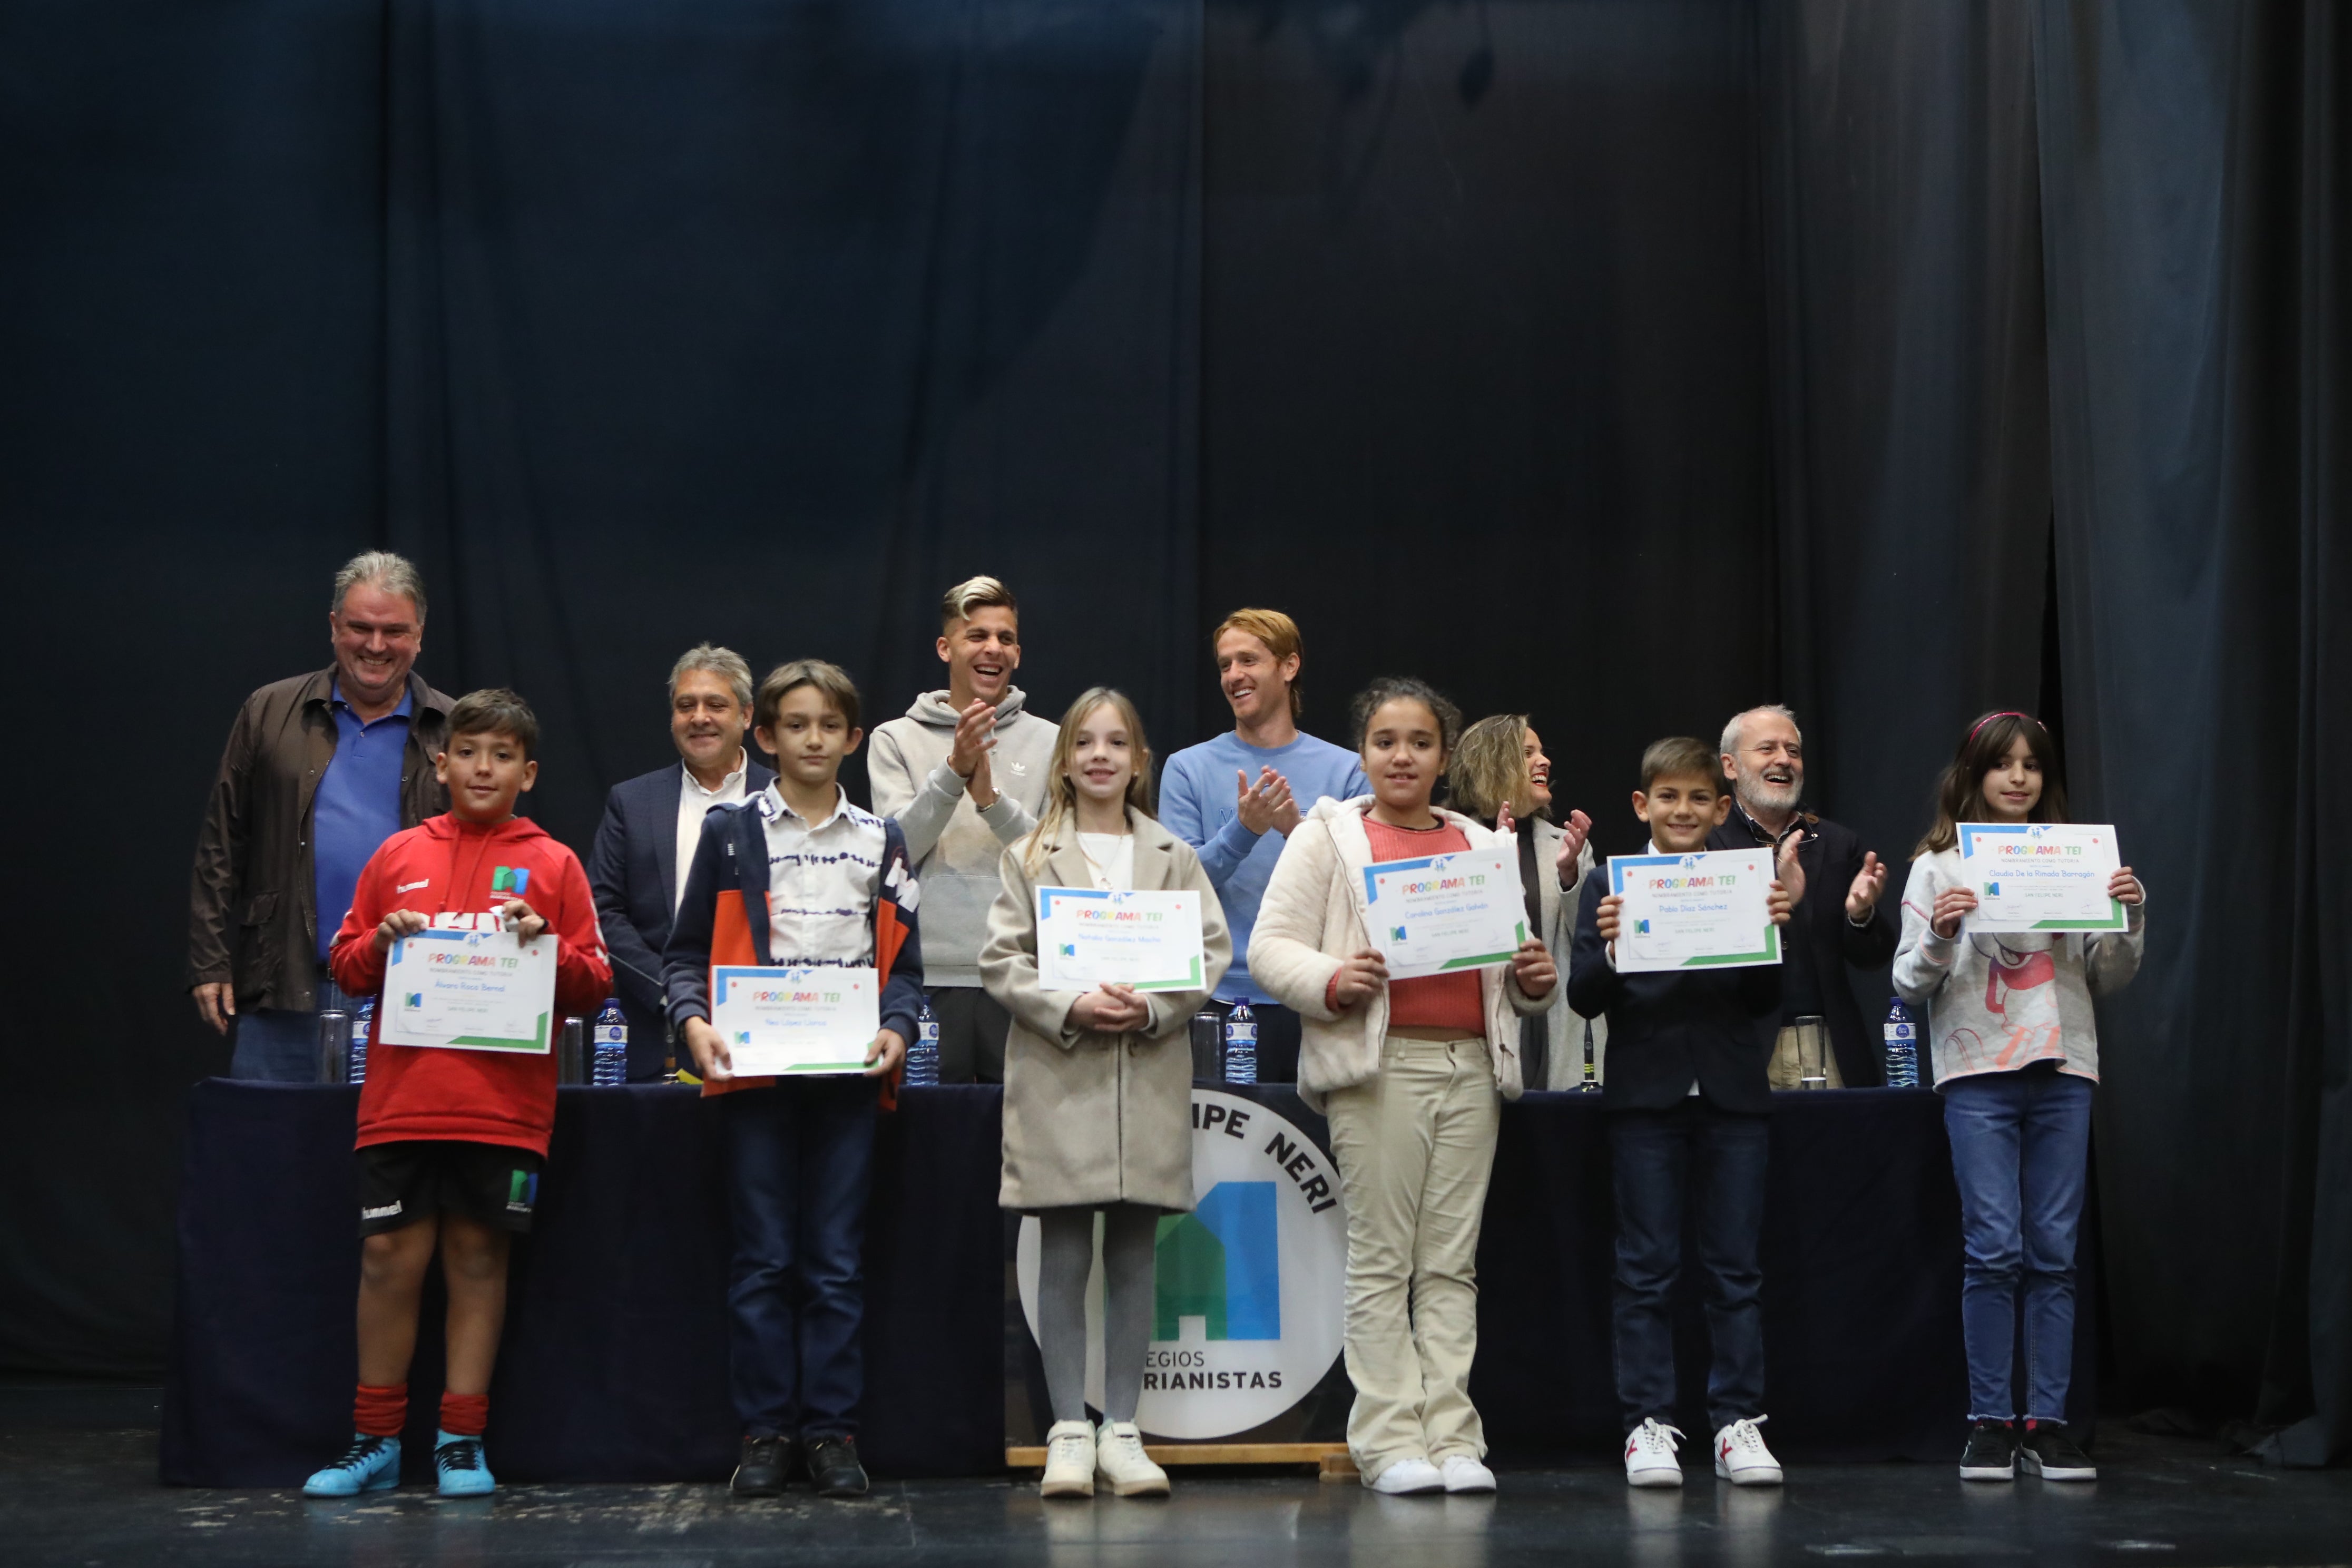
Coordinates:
[465,1415]
[380,1411]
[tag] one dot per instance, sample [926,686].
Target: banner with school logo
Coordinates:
[1248,1289]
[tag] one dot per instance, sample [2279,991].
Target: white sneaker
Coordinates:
[1069,1460]
[1650,1455]
[1407,1477]
[1464,1474]
[1119,1459]
[1741,1457]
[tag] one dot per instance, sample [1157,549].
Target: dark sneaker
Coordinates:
[833,1467]
[2046,1453]
[1991,1453]
[761,1469]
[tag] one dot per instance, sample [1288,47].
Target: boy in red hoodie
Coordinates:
[451,1141]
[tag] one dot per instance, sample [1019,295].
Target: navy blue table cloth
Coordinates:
[614,1361]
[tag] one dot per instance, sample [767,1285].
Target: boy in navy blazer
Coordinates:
[1688,1097]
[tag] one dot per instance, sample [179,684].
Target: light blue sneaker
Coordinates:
[464,1472]
[369,1465]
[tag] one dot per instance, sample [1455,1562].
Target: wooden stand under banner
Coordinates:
[1330,1460]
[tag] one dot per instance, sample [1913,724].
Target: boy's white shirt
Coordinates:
[823,880]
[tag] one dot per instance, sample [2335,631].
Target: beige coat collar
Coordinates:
[1155,867]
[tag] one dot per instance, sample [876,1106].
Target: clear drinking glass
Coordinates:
[1812,1042]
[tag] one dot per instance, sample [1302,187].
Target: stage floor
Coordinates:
[78,1487]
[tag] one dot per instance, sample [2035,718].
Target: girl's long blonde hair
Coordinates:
[1062,795]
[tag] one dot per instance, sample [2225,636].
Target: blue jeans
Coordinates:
[280,1044]
[1718,1158]
[2021,1142]
[800,1161]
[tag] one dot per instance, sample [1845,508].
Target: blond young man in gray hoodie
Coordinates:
[963,774]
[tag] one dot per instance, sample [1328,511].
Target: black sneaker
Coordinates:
[2047,1453]
[1991,1453]
[833,1467]
[760,1472]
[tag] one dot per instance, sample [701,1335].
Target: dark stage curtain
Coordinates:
[1621,362]
[2197,170]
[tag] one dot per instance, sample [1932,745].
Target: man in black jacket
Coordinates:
[319,770]
[652,822]
[1839,925]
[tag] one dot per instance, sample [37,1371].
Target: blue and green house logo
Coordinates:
[1221,1263]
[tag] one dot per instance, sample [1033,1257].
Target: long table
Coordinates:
[613,1365]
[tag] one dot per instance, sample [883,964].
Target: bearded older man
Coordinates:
[320,770]
[1840,927]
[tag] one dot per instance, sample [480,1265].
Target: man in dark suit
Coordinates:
[651,824]
[1839,927]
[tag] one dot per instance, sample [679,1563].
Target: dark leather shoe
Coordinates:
[760,1472]
[833,1467]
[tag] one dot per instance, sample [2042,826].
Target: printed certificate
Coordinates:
[1694,911]
[469,990]
[795,1020]
[2039,876]
[1463,911]
[1094,936]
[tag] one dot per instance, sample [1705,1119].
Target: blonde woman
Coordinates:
[1097,1088]
[1500,775]
[1411,1075]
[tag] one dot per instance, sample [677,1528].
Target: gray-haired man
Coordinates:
[320,770]
[637,865]
[1840,927]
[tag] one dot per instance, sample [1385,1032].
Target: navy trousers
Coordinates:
[1714,1160]
[800,1162]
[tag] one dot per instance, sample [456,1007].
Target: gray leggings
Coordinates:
[1065,1256]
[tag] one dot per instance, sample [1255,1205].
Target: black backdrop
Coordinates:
[1624,362]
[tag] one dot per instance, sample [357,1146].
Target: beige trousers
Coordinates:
[1414,1146]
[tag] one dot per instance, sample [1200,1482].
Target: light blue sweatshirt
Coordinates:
[1197,805]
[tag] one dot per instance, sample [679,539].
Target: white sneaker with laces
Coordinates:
[1119,1459]
[1741,1457]
[1069,1460]
[1407,1477]
[1464,1474]
[1650,1455]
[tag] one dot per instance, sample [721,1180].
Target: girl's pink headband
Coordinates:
[1990,717]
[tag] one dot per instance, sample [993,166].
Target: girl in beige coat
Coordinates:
[1407,1075]
[1097,1088]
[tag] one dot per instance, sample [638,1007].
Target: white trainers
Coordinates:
[1464,1474]
[1119,1459]
[1407,1477]
[1741,1457]
[1069,1460]
[1650,1455]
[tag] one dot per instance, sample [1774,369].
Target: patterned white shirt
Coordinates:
[823,881]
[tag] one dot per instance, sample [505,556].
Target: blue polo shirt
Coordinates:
[356,806]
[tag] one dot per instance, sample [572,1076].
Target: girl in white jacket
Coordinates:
[2016,1055]
[1408,1073]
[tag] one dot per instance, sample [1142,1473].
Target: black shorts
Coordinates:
[492,1184]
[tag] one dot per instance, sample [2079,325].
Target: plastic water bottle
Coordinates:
[334,1045]
[610,1068]
[923,1057]
[1902,1047]
[1241,1045]
[362,1030]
